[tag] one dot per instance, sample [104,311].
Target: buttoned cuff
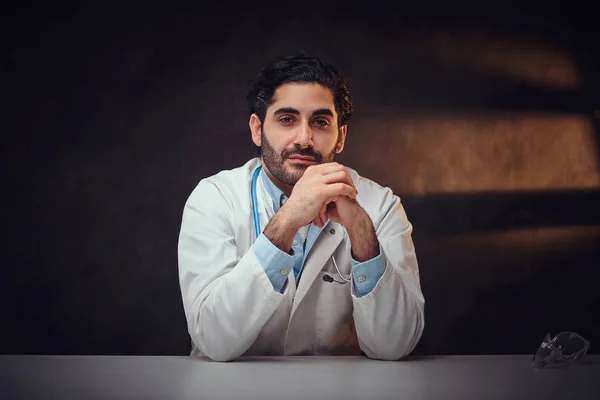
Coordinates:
[276,263]
[365,275]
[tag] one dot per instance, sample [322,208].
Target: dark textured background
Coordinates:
[480,116]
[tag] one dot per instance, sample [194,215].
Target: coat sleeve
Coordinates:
[390,319]
[227,297]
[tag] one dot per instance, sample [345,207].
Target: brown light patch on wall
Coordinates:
[425,154]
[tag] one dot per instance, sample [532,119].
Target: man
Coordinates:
[293,253]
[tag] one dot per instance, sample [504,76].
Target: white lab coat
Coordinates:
[233,310]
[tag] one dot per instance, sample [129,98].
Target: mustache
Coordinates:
[304,153]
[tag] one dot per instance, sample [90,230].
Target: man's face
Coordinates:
[301,123]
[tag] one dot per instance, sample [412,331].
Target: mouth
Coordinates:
[302,160]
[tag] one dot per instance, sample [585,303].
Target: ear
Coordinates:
[255,129]
[341,139]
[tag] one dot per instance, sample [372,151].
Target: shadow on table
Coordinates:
[422,358]
[565,365]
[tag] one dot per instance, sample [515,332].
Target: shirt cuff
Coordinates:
[276,263]
[366,274]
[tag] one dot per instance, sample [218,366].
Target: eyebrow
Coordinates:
[290,110]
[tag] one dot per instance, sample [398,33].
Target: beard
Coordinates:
[289,175]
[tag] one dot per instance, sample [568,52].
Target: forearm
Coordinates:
[390,322]
[363,238]
[227,314]
[281,230]
[227,300]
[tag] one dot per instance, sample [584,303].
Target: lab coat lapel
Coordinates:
[328,240]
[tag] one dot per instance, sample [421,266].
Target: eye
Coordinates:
[322,122]
[286,120]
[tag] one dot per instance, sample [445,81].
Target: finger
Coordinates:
[327,168]
[324,213]
[338,176]
[318,220]
[320,214]
[340,189]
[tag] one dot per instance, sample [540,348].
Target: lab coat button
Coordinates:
[332,231]
[295,242]
[361,278]
[283,271]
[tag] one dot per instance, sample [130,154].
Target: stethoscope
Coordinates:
[257,230]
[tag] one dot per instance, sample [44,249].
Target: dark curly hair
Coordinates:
[299,68]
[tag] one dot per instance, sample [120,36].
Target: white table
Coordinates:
[172,377]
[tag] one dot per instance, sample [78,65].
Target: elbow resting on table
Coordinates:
[395,353]
[216,349]
[216,344]
[222,356]
[395,345]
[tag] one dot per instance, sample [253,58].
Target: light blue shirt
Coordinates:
[278,264]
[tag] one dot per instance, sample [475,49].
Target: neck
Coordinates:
[286,189]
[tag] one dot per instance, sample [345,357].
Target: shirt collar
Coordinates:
[277,196]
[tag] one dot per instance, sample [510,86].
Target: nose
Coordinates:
[304,137]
